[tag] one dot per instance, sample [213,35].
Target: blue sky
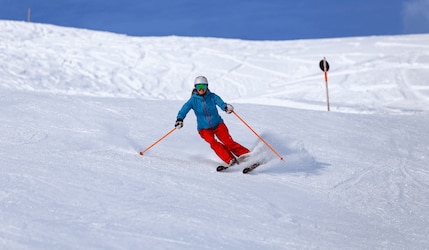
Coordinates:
[243,19]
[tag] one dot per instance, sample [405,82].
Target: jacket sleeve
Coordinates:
[219,102]
[185,109]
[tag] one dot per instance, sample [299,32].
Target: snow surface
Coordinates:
[77,106]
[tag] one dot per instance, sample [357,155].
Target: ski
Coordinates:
[221,168]
[249,169]
[245,170]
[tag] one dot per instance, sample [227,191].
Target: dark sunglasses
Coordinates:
[200,86]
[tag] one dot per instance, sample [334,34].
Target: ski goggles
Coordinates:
[200,86]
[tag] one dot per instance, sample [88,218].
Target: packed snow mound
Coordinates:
[367,74]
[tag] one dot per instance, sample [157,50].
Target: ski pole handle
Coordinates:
[160,139]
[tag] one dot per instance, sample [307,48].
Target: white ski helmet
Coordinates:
[201,80]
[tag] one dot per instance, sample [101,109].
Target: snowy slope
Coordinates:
[367,74]
[76,106]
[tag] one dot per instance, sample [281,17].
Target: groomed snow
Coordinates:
[77,106]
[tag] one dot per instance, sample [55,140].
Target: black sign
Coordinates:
[322,67]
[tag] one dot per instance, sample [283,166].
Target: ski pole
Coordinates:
[260,138]
[160,139]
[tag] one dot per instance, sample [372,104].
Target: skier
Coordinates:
[209,122]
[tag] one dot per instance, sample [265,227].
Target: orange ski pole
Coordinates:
[260,138]
[160,139]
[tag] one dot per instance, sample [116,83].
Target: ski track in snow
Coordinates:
[77,106]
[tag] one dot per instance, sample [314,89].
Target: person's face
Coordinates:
[201,88]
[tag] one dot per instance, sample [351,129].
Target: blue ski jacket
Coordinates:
[205,109]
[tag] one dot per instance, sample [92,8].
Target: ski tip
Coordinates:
[141,153]
[221,168]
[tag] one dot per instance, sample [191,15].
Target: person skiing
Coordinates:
[209,123]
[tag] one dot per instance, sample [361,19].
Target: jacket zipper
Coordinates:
[206,113]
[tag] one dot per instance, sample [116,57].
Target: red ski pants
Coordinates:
[224,146]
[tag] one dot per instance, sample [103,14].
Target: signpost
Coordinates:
[324,66]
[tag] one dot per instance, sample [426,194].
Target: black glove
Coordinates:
[179,124]
[229,108]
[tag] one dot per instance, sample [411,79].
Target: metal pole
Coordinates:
[260,138]
[325,69]
[160,139]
